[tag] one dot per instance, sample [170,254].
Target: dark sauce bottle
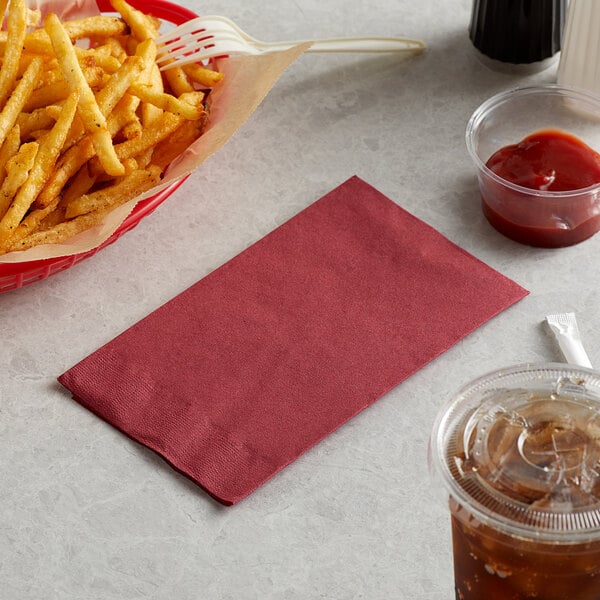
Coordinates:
[523,33]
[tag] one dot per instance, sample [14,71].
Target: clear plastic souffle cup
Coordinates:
[518,453]
[536,217]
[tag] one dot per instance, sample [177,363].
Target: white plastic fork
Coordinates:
[207,37]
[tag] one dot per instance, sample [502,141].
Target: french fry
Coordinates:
[44,162]
[33,17]
[102,56]
[88,27]
[54,213]
[133,129]
[3,4]
[8,149]
[39,220]
[36,42]
[136,182]
[151,77]
[108,97]
[178,81]
[123,114]
[36,45]
[150,136]
[168,150]
[17,168]
[116,48]
[97,26]
[17,28]
[59,90]
[201,75]
[34,219]
[147,51]
[189,105]
[75,133]
[151,113]
[143,159]
[71,161]
[58,233]
[89,111]
[142,26]
[14,106]
[81,184]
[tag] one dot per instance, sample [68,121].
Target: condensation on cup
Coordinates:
[518,452]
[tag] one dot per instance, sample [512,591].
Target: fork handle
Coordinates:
[359,44]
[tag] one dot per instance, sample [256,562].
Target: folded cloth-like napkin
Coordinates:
[244,371]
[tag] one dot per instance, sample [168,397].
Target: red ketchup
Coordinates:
[551,161]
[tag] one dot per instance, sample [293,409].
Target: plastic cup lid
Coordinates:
[520,449]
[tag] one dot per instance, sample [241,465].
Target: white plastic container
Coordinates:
[579,64]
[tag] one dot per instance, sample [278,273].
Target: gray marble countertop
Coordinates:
[87,514]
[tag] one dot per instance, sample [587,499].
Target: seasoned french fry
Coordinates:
[75,133]
[201,75]
[79,185]
[17,168]
[142,26]
[17,28]
[34,219]
[8,149]
[151,77]
[89,111]
[44,162]
[168,150]
[147,51]
[119,83]
[3,4]
[59,90]
[33,17]
[178,81]
[143,160]
[18,98]
[36,42]
[71,161]
[54,213]
[116,48]
[135,182]
[189,105]
[150,136]
[59,233]
[97,26]
[39,220]
[36,45]
[132,130]
[102,56]
[124,114]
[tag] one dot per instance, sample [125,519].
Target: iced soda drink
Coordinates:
[519,452]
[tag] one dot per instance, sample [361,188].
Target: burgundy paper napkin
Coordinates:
[241,373]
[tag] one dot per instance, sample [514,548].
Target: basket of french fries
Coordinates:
[93,135]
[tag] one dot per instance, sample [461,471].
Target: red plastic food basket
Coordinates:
[16,275]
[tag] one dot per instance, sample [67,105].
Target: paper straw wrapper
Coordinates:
[247,80]
[565,330]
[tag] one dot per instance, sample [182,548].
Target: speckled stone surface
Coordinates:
[86,514]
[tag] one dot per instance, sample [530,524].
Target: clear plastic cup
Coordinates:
[518,451]
[531,216]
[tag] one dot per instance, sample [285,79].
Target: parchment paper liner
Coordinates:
[247,80]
